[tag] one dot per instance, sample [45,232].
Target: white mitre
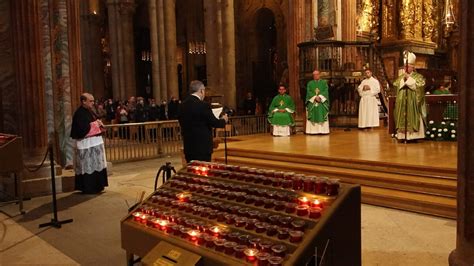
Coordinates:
[410,58]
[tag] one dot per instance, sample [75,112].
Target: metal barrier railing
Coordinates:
[138,141]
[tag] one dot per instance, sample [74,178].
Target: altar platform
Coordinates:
[419,177]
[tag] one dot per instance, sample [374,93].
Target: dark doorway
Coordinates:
[264,69]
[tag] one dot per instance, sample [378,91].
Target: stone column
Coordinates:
[114,42]
[297,27]
[210,28]
[171,45]
[31,116]
[228,49]
[127,8]
[464,252]
[120,14]
[220,58]
[162,49]
[155,67]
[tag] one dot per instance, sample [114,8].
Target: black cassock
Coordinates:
[90,163]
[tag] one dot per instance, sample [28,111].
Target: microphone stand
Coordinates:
[225,141]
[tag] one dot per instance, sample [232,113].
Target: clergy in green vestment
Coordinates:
[280,113]
[410,88]
[441,90]
[317,105]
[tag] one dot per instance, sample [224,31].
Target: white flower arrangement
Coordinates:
[453,131]
[445,130]
[431,122]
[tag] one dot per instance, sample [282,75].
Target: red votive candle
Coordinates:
[276,182]
[137,216]
[303,201]
[314,212]
[275,261]
[209,240]
[262,258]
[298,225]
[279,205]
[269,203]
[290,207]
[240,221]
[296,236]
[298,182]
[265,246]
[279,174]
[215,230]
[307,184]
[283,233]
[250,254]
[288,175]
[272,230]
[333,187]
[219,244]
[316,203]
[285,221]
[279,250]
[261,227]
[229,247]
[183,197]
[239,251]
[254,242]
[250,225]
[233,236]
[163,225]
[286,183]
[243,239]
[320,186]
[301,210]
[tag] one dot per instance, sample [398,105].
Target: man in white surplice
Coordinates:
[368,106]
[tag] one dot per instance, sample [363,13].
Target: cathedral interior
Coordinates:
[52,51]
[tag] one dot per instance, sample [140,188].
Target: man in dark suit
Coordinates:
[197,120]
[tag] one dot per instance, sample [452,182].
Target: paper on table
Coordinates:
[217,111]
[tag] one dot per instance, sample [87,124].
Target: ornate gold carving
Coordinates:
[418,19]
[428,20]
[388,22]
[368,19]
[407,19]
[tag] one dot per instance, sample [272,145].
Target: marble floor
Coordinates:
[389,237]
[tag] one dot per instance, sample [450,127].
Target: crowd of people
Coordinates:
[136,110]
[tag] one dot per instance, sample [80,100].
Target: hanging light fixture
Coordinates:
[449,20]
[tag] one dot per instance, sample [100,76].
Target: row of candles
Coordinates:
[253,249]
[287,180]
[273,225]
[303,206]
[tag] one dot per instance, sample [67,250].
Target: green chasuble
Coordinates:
[317,112]
[416,108]
[281,102]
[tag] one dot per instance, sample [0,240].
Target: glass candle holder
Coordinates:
[229,247]
[209,241]
[239,251]
[254,242]
[243,212]
[301,210]
[279,174]
[333,187]
[296,236]
[230,219]
[298,182]
[272,230]
[269,173]
[250,225]
[286,183]
[250,254]
[212,214]
[254,214]
[260,227]
[285,221]
[265,245]
[269,203]
[215,230]
[276,182]
[267,181]
[243,239]
[298,225]
[274,219]
[219,245]
[279,250]
[308,184]
[283,233]
[290,207]
[233,236]
[279,205]
[137,216]
[275,261]
[250,199]
[262,258]
[303,201]
[320,186]
[314,212]
[240,221]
